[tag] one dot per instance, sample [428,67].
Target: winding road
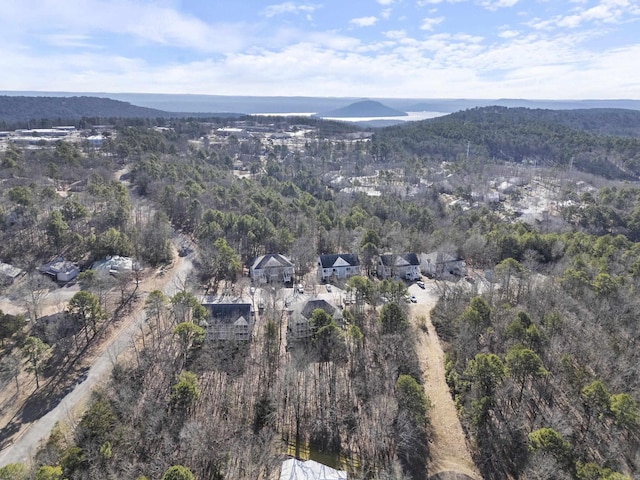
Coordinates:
[29,439]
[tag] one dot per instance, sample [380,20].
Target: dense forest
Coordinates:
[599,141]
[541,347]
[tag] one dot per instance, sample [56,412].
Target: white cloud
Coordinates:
[508,34]
[395,34]
[429,23]
[364,21]
[496,4]
[288,7]
[386,13]
[271,59]
[607,11]
[424,3]
[70,40]
[145,22]
[386,2]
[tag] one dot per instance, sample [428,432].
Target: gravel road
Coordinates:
[26,445]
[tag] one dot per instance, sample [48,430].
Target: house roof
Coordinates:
[312,305]
[58,265]
[339,260]
[228,312]
[9,271]
[399,260]
[293,469]
[439,257]
[305,309]
[271,260]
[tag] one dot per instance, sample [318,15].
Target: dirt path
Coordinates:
[449,449]
[27,440]
[27,437]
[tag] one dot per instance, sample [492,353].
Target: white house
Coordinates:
[9,273]
[272,268]
[437,264]
[403,265]
[60,269]
[229,321]
[338,266]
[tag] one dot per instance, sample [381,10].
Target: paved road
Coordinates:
[27,444]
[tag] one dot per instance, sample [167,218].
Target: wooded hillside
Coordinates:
[540,332]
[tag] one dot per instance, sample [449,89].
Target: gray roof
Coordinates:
[399,260]
[228,312]
[271,260]
[328,261]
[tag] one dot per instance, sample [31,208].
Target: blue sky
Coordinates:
[535,49]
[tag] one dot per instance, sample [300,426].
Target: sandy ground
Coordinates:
[449,449]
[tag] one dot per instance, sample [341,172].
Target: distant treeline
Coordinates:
[600,141]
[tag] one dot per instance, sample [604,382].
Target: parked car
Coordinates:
[420,283]
[328,287]
[300,288]
[413,299]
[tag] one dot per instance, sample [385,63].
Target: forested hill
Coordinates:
[22,109]
[601,141]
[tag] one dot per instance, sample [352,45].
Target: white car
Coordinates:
[420,283]
[328,287]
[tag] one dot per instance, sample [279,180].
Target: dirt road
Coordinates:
[449,449]
[27,441]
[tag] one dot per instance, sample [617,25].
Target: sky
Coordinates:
[530,49]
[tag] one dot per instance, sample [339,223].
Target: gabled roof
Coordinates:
[271,260]
[305,310]
[312,305]
[58,265]
[439,257]
[399,260]
[339,260]
[228,312]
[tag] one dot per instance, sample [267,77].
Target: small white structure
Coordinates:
[60,269]
[9,273]
[114,265]
[293,469]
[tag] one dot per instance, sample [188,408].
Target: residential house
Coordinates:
[9,273]
[272,268]
[438,264]
[115,264]
[404,266]
[299,326]
[229,321]
[60,269]
[338,266]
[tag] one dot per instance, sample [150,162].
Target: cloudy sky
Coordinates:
[535,49]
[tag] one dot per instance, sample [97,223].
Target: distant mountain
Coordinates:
[21,109]
[364,108]
[447,105]
[202,105]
